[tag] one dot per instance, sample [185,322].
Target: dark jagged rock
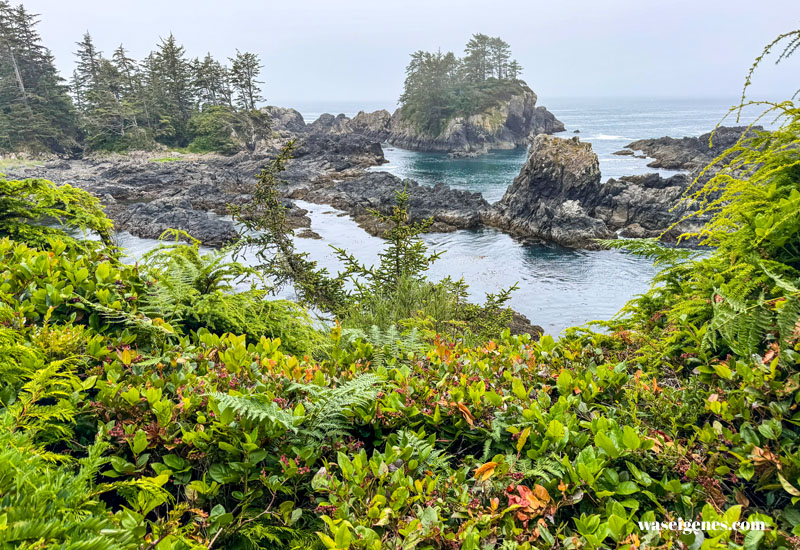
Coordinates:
[558,197]
[151,219]
[147,197]
[645,206]
[689,153]
[545,122]
[522,325]
[450,208]
[285,121]
[549,199]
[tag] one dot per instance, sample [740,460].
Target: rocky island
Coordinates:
[689,153]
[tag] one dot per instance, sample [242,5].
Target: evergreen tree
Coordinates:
[36,113]
[245,69]
[439,86]
[427,98]
[87,67]
[212,82]
[171,89]
[499,56]
[476,59]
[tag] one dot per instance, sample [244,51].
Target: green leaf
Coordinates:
[564,383]
[630,438]
[555,430]
[626,488]
[139,442]
[523,437]
[605,443]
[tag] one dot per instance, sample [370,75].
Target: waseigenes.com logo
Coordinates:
[687,527]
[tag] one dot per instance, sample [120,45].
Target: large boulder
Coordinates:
[552,197]
[285,121]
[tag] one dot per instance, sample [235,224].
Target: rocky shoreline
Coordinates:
[557,197]
[689,153]
[507,125]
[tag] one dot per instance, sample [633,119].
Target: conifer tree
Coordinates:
[36,113]
[245,69]
[171,88]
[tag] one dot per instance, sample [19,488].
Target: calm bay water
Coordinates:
[558,287]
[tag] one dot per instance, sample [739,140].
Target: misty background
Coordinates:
[357,50]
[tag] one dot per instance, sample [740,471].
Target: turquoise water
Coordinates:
[558,288]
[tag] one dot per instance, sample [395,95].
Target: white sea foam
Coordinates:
[606,137]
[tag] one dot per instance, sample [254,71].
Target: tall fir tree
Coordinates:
[245,70]
[36,112]
[171,90]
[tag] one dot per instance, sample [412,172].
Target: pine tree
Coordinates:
[514,70]
[476,60]
[245,69]
[87,66]
[171,89]
[36,113]
[499,55]
[211,82]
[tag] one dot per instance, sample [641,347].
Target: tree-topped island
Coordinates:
[469,104]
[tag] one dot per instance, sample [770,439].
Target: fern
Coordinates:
[544,469]
[428,457]
[387,344]
[652,250]
[330,410]
[256,409]
[52,506]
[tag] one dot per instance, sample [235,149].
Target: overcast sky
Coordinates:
[358,49]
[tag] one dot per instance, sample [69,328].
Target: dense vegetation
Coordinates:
[440,86]
[160,406]
[117,103]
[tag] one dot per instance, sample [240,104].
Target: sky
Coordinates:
[352,50]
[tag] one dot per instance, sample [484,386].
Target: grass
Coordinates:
[168,159]
[19,163]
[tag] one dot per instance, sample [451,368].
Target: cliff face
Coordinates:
[506,125]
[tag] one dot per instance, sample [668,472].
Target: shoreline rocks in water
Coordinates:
[688,153]
[558,197]
[450,208]
[506,125]
[546,201]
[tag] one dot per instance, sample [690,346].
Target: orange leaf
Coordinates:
[485,471]
[467,415]
[541,493]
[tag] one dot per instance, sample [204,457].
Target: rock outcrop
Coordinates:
[550,199]
[145,194]
[151,219]
[688,153]
[450,209]
[506,125]
[558,197]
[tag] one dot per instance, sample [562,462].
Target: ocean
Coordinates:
[558,287]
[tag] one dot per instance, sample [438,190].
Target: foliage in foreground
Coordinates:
[143,424]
